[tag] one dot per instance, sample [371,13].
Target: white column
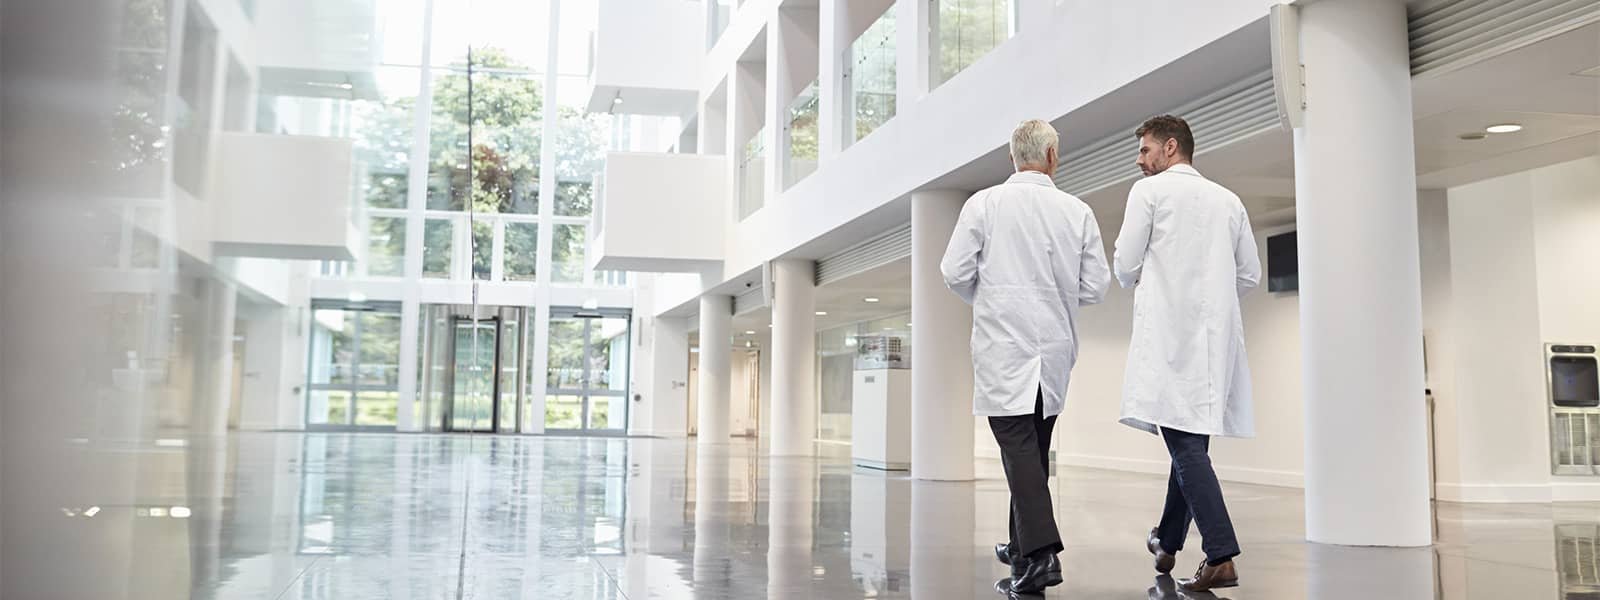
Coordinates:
[716,341]
[941,355]
[1360,283]
[794,355]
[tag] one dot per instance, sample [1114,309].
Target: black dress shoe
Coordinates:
[1038,575]
[1164,561]
[1007,557]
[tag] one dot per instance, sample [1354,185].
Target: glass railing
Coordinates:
[969,29]
[802,157]
[870,78]
[752,175]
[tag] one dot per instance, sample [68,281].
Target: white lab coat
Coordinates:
[1186,243]
[1025,255]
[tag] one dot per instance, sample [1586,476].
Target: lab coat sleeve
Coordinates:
[1094,276]
[1134,239]
[960,264]
[1246,258]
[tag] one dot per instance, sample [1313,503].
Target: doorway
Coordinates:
[473,368]
[586,383]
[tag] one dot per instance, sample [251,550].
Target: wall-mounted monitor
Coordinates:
[1283,263]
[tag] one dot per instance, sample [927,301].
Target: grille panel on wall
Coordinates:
[876,252]
[1228,115]
[1576,439]
[1455,33]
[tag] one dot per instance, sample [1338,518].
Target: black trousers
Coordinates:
[1194,494]
[1025,449]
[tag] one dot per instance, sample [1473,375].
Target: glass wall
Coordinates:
[802,156]
[355,366]
[838,351]
[967,30]
[870,78]
[752,174]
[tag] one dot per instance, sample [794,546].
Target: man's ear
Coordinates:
[1171,146]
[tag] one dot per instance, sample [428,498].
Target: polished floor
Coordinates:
[352,516]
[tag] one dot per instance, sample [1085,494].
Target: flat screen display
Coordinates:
[1283,263]
[1574,381]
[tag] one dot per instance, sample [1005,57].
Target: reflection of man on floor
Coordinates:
[1026,255]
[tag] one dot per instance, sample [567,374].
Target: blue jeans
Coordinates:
[1194,494]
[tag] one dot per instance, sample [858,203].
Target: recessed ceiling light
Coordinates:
[1473,136]
[822,313]
[751,332]
[870,299]
[1503,128]
[617,100]
[908,324]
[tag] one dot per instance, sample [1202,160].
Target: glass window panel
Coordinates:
[506,131]
[377,408]
[438,237]
[522,251]
[386,246]
[382,130]
[380,349]
[969,29]
[802,135]
[608,354]
[566,355]
[752,174]
[563,412]
[192,107]
[567,258]
[482,248]
[581,144]
[607,412]
[328,407]
[473,404]
[146,245]
[509,337]
[872,77]
[333,346]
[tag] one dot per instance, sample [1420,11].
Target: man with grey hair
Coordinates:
[1026,255]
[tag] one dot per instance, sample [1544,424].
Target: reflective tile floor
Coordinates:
[352,516]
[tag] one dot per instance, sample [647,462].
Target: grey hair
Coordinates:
[1031,143]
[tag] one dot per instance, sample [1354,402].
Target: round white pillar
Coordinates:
[716,376]
[941,355]
[1360,280]
[794,355]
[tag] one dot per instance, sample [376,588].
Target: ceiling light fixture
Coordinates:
[870,300]
[822,313]
[751,332]
[1503,128]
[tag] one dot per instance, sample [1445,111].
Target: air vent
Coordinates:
[1455,33]
[876,252]
[1233,113]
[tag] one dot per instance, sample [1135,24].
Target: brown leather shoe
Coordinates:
[1164,561]
[1209,577]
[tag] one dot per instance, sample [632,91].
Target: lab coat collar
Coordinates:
[1184,169]
[1033,177]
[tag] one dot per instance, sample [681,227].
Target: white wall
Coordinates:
[670,33]
[1523,273]
[667,398]
[656,216]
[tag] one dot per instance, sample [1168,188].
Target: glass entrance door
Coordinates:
[472,403]
[587,379]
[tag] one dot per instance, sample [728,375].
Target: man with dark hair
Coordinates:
[1186,244]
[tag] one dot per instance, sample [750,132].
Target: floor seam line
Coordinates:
[612,578]
[297,577]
